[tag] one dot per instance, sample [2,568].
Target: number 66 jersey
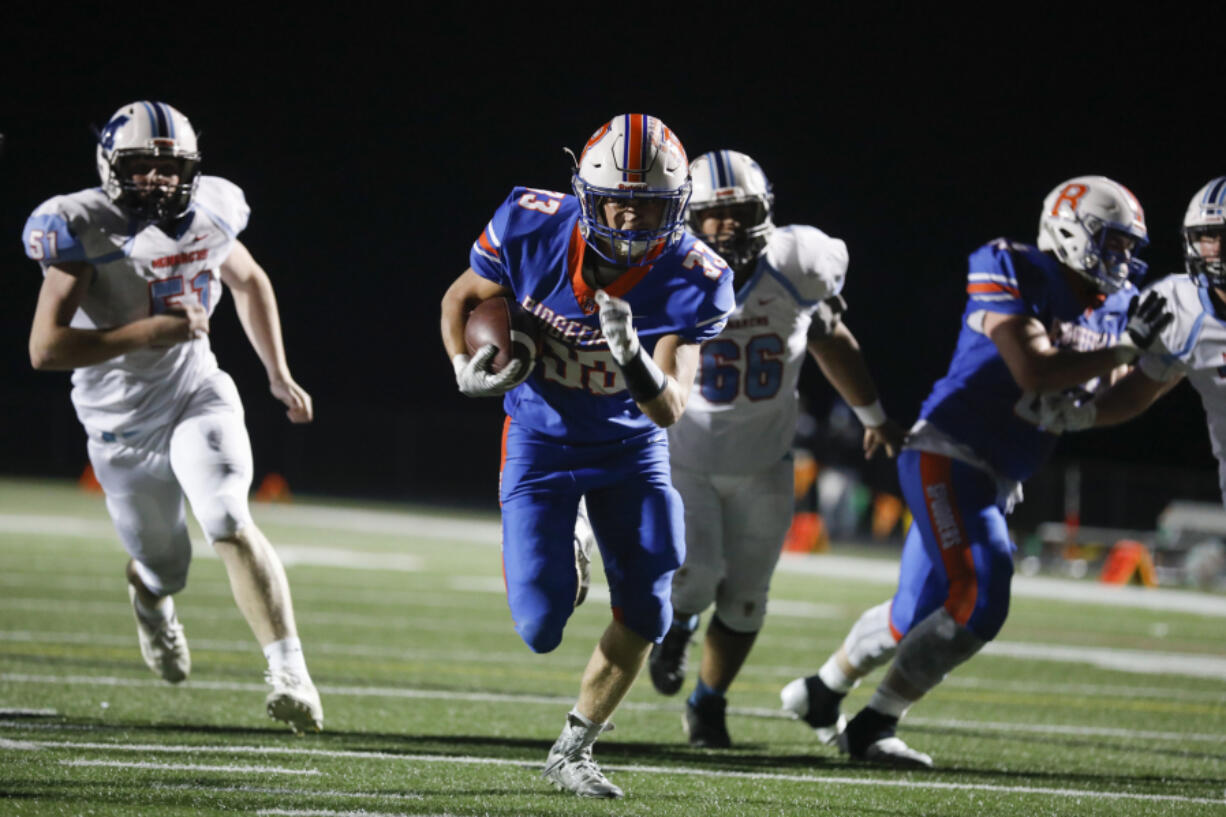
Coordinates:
[138,271]
[533,246]
[742,414]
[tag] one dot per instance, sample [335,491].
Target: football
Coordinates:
[504,323]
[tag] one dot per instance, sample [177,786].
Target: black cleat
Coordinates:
[706,724]
[869,736]
[810,700]
[667,662]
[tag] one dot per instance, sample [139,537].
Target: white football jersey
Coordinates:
[1194,345]
[741,415]
[138,273]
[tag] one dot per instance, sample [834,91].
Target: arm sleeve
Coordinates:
[488,254]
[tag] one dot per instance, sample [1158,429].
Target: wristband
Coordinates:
[871,415]
[644,380]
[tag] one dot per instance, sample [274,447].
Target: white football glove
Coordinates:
[1059,413]
[475,379]
[616,322]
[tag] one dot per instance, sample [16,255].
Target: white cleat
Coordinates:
[569,765]
[823,715]
[294,701]
[162,644]
[889,751]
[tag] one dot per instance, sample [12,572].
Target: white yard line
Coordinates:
[562,700]
[320,812]
[189,767]
[340,795]
[689,771]
[481,530]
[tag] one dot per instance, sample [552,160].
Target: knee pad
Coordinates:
[211,458]
[744,614]
[934,647]
[222,515]
[694,587]
[155,536]
[871,642]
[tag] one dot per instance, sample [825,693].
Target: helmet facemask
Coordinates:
[634,246]
[154,203]
[741,246]
[1212,270]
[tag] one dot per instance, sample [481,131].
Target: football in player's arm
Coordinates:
[131,273]
[623,296]
[1191,345]
[730,453]
[1038,320]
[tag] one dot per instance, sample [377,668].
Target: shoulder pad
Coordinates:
[813,262]
[224,203]
[52,232]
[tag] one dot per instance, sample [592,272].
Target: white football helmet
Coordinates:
[728,179]
[142,131]
[1079,215]
[632,156]
[1206,215]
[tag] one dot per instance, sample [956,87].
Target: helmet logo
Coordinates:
[1072,194]
[107,137]
[596,137]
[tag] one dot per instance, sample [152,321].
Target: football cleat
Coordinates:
[869,737]
[569,765]
[706,722]
[162,644]
[294,701]
[585,540]
[810,700]
[668,658]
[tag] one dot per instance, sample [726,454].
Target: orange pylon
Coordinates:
[273,488]
[88,482]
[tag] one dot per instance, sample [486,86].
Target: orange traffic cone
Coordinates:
[273,488]
[807,534]
[88,482]
[1129,562]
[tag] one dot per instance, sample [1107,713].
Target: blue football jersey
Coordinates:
[533,247]
[978,403]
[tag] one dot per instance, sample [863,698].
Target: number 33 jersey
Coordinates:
[741,416]
[533,247]
[139,271]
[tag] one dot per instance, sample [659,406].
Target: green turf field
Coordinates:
[1089,703]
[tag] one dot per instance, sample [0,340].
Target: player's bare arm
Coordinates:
[256,304]
[838,355]
[1039,366]
[465,292]
[678,360]
[1130,397]
[54,345]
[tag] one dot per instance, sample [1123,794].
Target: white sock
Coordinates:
[832,675]
[286,655]
[889,702]
[162,611]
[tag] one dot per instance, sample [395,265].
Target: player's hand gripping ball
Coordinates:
[503,342]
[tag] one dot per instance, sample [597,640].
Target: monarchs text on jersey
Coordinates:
[978,403]
[139,270]
[742,413]
[533,246]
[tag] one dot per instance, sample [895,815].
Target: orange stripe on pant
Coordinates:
[950,534]
[502,463]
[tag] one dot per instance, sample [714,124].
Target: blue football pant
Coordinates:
[957,553]
[634,511]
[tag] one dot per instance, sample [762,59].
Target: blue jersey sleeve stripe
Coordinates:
[218,220]
[788,285]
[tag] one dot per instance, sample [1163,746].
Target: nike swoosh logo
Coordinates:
[200,238]
[764,301]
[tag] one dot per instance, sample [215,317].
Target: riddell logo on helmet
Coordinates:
[163,143]
[632,186]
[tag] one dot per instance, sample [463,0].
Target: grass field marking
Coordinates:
[18,745]
[320,812]
[21,712]
[189,767]
[340,795]
[833,780]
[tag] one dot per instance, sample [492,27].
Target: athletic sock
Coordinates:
[832,676]
[889,702]
[703,691]
[286,656]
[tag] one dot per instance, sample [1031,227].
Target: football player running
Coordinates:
[1037,320]
[730,452]
[1193,345]
[131,273]
[624,296]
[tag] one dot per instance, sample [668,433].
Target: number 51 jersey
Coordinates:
[741,416]
[533,247]
[139,270]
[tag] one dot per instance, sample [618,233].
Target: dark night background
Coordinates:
[373,146]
